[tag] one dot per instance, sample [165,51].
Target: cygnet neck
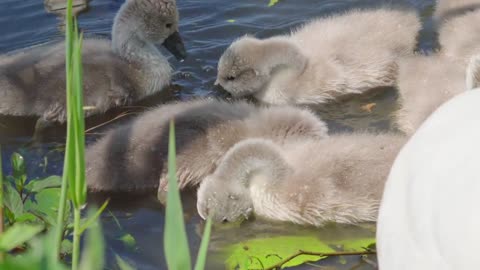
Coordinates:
[127,39]
[252,158]
[282,53]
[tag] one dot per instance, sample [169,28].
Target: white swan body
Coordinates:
[429,217]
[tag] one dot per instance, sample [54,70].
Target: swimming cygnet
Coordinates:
[311,182]
[32,82]
[458,22]
[428,219]
[426,82]
[324,60]
[133,157]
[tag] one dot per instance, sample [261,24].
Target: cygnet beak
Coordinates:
[217,82]
[174,44]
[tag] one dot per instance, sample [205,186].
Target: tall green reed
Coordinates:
[175,240]
[1,197]
[74,163]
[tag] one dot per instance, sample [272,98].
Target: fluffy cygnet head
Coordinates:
[239,70]
[249,64]
[250,166]
[154,21]
[222,201]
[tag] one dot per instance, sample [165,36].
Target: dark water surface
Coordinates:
[208,27]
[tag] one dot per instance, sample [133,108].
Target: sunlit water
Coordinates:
[207,27]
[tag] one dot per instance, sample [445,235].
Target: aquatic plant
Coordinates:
[74,163]
[39,255]
[1,198]
[175,241]
[30,207]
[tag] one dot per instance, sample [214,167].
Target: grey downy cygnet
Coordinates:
[426,82]
[310,182]
[133,157]
[130,67]
[324,60]
[457,23]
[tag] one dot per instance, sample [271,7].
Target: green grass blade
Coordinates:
[94,250]
[1,186]
[175,240]
[1,201]
[93,218]
[80,185]
[202,252]
[18,234]
[67,167]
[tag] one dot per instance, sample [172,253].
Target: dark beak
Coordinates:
[174,45]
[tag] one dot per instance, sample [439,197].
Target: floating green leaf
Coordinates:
[273,2]
[18,234]
[262,253]
[231,21]
[128,240]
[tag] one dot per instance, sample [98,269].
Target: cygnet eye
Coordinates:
[168,25]
[230,78]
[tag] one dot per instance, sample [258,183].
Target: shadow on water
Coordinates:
[207,27]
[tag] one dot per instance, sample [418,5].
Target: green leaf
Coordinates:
[45,204]
[19,170]
[1,180]
[128,240]
[175,240]
[231,21]
[122,264]
[9,215]
[18,234]
[273,2]
[262,253]
[88,222]
[10,180]
[202,252]
[13,201]
[93,253]
[37,185]
[38,257]
[27,217]
[66,247]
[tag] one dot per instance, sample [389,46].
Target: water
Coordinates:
[207,27]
